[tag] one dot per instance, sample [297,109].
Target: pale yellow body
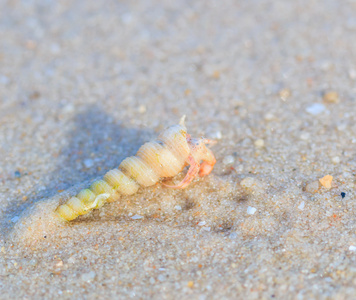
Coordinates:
[165,157]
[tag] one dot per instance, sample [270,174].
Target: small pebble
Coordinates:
[17,174]
[352,74]
[161,277]
[301,206]
[326,65]
[305,136]
[202,223]
[136,217]
[190,284]
[352,248]
[312,187]
[284,94]
[217,135]
[228,160]
[71,260]
[315,109]
[269,117]
[331,97]
[259,143]
[342,127]
[15,219]
[88,163]
[248,182]
[335,160]
[59,264]
[178,207]
[326,181]
[69,108]
[33,262]
[142,109]
[251,210]
[343,195]
[88,276]
[232,235]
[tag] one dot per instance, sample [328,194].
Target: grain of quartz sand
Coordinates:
[84,83]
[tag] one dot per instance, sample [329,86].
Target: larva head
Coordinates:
[201,152]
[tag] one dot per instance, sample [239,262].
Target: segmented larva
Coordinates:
[162,158]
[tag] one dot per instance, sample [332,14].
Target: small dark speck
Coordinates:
[343,195]
[45,236]
[17,174]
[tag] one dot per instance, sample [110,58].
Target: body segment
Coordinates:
[165,157]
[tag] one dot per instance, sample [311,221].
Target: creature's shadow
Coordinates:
[96,144]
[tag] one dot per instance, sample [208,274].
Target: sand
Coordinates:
[83,84]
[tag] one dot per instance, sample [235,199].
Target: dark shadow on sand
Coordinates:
[96,144]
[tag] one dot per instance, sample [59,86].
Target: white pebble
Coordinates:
[88,276]
[178,207]
[259,143]
[69,108]
[202,223]
[142,109]
[218,135]
[342,127]
[301,206]
[161,278]
[305,136]
[33,262]
[248,182]
[315,109]
[206,228]
[352,74]
[352,248]
[88,163]
[335,160]
[136,217]
[232,235]
[71,260]
[228,160]
[251,210]
[59,264]
[269,117]
[15,219]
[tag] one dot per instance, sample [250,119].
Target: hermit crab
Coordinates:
[163,158]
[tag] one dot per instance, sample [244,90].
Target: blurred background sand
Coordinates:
[84,83]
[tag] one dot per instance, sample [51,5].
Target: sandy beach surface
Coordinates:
[83,84]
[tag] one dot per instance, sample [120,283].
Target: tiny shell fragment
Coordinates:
[259,143]
[331,97]
[312,187]
[326,181]
[284,93]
